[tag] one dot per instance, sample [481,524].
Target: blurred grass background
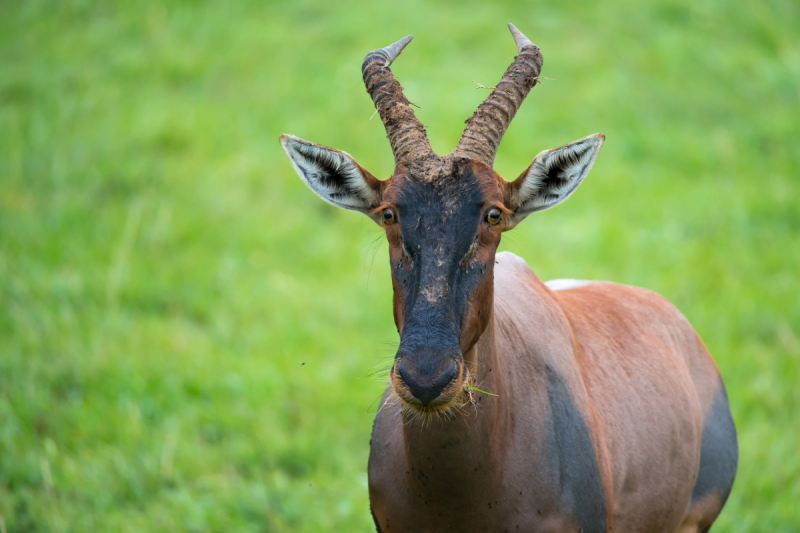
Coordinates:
[187,334]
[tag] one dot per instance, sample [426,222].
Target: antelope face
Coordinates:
[443,234]
[443,218]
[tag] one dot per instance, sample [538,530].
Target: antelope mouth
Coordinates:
[453,391]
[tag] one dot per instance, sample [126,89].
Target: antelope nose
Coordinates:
[426,388]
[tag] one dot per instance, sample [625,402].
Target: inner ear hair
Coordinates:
[553,176]
[334,175]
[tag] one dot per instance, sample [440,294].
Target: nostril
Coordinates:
[426,390]
[400,367]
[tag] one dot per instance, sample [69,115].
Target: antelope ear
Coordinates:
[552,177]
[333,175]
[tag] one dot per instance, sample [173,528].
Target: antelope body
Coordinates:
[603,410]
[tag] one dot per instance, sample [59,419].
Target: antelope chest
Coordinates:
[446,479]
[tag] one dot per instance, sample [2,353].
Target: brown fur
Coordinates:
[702,514]
[598,397]
[633,365]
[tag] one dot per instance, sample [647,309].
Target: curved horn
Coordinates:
[486,127]
[405,132]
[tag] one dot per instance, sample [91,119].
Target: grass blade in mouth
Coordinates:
[479,390]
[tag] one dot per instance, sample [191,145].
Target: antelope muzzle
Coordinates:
[428,380]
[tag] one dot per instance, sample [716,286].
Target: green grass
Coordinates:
[187,333]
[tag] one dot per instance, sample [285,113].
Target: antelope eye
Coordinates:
[388,217]
[493,216]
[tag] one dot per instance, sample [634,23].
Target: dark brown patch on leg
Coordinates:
[582,494]
[719,456]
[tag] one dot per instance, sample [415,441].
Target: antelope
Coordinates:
[580,406]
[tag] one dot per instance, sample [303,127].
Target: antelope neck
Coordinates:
[464,454]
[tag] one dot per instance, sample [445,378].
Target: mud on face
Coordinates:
[443,235]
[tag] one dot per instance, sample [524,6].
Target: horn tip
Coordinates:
[402,43]
[394,49]
[519,37]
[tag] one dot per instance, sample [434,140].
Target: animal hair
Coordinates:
[332,174]
[555,174]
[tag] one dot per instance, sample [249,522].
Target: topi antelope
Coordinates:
[605,412]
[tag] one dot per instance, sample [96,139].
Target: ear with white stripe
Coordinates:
[552,177]
[333,175]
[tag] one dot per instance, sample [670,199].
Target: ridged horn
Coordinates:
[485,128]
[403,129]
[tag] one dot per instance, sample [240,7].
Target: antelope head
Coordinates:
[443,217]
